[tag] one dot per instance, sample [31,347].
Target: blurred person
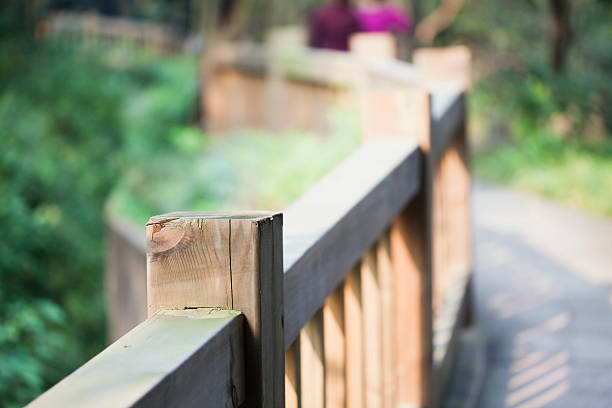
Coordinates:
[381,16]
[332,25]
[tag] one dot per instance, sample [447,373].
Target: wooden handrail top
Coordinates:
[160,363]
[300,64]
[327,230]
[448,113]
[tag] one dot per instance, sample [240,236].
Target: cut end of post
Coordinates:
[189,256]
[230,260]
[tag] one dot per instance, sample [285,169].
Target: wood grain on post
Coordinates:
[232,261]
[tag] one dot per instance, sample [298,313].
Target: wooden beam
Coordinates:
[329,228]
[402,112]
[186,358]
[229,260]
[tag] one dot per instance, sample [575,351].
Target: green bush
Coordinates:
[60,131]
[545,131]
[81,126]
[246,170]
[73,122]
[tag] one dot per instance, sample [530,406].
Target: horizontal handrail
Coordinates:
[448,113]
[174,358]
[301,64]
[329,227]
[378,201]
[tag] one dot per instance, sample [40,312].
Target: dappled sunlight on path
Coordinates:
[543,287]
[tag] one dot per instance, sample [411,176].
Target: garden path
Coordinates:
[543,299]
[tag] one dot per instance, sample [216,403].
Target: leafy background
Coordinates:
[87,132]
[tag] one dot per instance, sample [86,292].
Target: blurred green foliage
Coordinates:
[246,170]
[82,125]
[540,130]
[68,120]
[60,129]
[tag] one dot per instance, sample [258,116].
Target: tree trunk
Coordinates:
[559,13]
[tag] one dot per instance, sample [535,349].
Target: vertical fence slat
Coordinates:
[334,346]
[312,363]
[372,326]
[388,321]
[412,284]
[232,261]
[404,112]
[292,375]
[353,320]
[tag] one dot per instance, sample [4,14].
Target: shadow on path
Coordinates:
[547,325]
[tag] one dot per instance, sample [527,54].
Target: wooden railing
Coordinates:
[351,297]
[295,88]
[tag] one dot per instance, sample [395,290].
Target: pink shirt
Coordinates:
[385,17]
[331,26]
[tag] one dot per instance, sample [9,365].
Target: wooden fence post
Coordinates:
[232,261]
[404,112]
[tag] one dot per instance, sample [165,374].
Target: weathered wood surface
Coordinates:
[186,358]
[329,227]
[228,260]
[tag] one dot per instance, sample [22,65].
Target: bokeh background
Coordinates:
[94,127]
